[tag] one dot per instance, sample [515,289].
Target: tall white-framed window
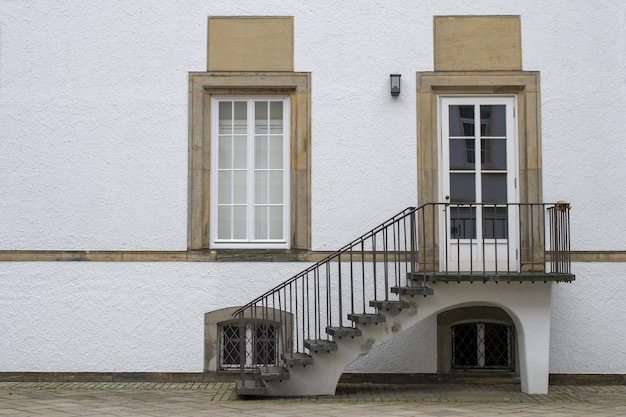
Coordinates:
[250,172]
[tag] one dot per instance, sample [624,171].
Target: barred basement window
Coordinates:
[482,346]
[261,344]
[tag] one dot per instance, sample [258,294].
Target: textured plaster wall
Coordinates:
[118,316]
[588,316]
[93,155]
[93,110]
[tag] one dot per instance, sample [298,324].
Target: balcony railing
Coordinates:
[403,255]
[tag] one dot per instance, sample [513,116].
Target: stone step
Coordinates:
[343,331]
[297,359]
[390,304]
[320,345]
[250,387]
[417,290]
[273,373]
[365,318]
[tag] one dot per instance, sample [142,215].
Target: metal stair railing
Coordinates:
[319,299]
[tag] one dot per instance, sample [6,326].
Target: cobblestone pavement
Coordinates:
[362,400]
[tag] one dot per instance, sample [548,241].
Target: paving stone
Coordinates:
[362,400]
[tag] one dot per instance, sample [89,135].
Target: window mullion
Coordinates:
[251,170]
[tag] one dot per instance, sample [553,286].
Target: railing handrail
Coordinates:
[402,214]
[372,232]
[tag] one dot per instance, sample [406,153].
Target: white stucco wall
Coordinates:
[588,316]
[93,156]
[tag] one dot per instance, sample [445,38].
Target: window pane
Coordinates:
[224,221]
[276,117]
[493,154]
[494,188]
[241,117]
[260,117]
[240,188]
[230,345]
[225,152]
[461,120]
[276,222]
[276,187]
[239,222]
[493,120]
[276,152]
[260,219]
[464,345]
[462,188]
[224,185]
[240,157]
[261,152]
[495,222]
[260,187]
[462,154]
[225,116]
[462,222]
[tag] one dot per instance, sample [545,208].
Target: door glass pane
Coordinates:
[462,222]
[494,188]
[495,222]
[462,188]
[241,117]
[493,154]
[493,120]
[462,154]
[461,120]
[225,117]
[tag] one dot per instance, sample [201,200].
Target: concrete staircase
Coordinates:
[317,371]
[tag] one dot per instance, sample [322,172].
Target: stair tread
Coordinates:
[390,304]
[273,373]
[417,290]
[297,358]
[320,345]
[250,387]
[367,318]
[343,331]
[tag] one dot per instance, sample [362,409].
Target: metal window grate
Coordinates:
[261,345]
[482,346]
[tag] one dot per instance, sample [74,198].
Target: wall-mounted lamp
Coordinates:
[395,84]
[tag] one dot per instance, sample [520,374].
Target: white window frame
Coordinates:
[249,242]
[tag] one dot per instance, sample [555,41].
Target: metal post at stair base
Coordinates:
[242,348]
[413,243]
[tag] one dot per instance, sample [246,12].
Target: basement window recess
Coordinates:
[482,346]
[261,344]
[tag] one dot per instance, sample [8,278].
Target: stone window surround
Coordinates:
[225,315]
[202,85]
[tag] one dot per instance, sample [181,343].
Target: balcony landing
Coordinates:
[491,277]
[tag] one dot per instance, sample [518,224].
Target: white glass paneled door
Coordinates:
[250,172]
[478,173]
